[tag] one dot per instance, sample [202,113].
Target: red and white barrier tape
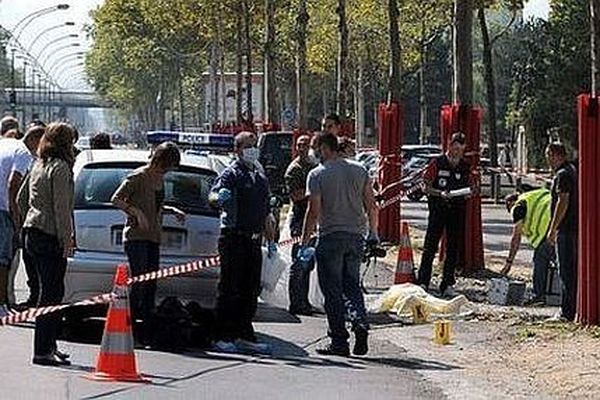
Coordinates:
[33,313]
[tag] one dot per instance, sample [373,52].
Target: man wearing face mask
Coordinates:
[241,192]
[295,179]
[444,175]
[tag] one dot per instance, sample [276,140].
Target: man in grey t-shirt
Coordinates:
[341,202]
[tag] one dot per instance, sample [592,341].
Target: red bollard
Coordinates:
[588,296]
[391,132]
[457,118]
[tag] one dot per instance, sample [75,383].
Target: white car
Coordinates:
[99,226]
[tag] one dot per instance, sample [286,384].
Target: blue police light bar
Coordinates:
[211,141]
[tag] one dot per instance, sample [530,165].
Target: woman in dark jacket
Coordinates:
[49,238]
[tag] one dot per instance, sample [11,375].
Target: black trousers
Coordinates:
[566,246]
[47,256]
[33,279]
[143,257]
[239,286]
[449,219]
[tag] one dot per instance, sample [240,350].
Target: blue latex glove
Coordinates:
[271,249]
[372,238]
[306,253]
[223,196]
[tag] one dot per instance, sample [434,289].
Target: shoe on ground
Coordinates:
[20,307]
[448,292]
[306,311]
[223,346]
[330,350]
[63,356]
[361,342]
[424,287]
[50,360]
[558,317]
[246,346]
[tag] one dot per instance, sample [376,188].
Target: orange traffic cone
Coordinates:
[405,265]
[116,361]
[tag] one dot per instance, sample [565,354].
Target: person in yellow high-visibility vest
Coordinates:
[531,217]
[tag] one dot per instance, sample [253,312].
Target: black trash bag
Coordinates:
[203,325]
[170,326]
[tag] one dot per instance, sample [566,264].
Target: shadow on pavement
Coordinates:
[410,363]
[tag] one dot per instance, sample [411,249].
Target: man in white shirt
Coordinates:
[16,157]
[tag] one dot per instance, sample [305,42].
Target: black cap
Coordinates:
[458,137]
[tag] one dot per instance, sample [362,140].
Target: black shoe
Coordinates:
[329,350]
[361,342]
[50,361]
[301,311]
[61,355]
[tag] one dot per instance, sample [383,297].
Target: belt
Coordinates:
[238,232]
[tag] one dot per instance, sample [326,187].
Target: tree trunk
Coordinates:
[360,104]
[214,83]
[423,126]
[239,55]
[270,114]
[342,60]
[223,85]
[395,82]
[463,52]
[490,84]
[301,34]
[595,21]
[180,90]
[248,54]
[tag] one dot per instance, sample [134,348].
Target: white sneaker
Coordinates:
[225,347]
[247,346]
[449,292]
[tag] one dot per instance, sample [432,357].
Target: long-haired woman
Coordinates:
[49,238]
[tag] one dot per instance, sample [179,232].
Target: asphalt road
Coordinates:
[497,228]
[294,371]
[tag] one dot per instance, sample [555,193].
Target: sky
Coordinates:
[11,11]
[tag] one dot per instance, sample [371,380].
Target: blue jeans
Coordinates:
[566,247]
[6,240]
[543,255]
[299,283]
[339,256]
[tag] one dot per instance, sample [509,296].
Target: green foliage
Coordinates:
[552,68]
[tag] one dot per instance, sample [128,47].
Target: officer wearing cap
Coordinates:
[445,175]
[241,192]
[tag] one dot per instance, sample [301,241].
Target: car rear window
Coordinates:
[186,188]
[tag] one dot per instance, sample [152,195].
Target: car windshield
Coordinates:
[186,188]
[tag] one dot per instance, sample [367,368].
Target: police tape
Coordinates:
[17,317]
[32,313]
[393,200]
[193,266]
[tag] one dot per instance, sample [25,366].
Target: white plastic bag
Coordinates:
[315,296]
[272,268]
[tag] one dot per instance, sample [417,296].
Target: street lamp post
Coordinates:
[13,92]
[50,44]
[16,32]
[45,31]
[58,50]
[60,61]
